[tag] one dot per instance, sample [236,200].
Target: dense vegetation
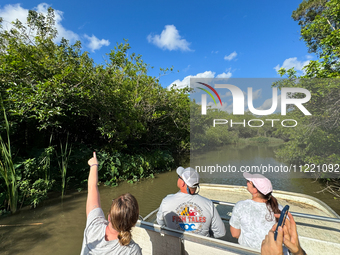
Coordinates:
[57,106]
[318,139]
[203,134]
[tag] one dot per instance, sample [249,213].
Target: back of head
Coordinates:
[124,213]
[265,189]
[190,177]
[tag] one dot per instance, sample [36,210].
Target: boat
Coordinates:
[317,224]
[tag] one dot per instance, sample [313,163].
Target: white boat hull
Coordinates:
[316,236]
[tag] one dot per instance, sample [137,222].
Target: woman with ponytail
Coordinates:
[252,218]
[123,215]
[112,236]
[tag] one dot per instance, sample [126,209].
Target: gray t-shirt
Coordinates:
[192,213]
[254,220]
[94,238]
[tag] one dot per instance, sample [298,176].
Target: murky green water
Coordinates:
[64,223]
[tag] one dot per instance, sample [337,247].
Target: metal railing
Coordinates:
[302,215]
[296,214]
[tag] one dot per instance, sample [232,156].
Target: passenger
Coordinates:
[252,218]
[188,211]
[112,236]
[287,235]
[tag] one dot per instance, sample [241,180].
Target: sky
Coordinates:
[207,39]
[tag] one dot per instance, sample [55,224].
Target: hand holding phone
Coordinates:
[282,220]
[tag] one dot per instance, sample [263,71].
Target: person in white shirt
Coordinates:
[188,211]
[252,218]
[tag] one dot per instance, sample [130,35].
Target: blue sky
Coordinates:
[210,39]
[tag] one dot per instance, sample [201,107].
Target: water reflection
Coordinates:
[231,161]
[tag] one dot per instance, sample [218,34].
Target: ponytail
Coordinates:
[124,237]
[272,204]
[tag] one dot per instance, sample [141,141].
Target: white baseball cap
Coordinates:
[260,182]
[189,176]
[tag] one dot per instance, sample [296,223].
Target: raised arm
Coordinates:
[93,197]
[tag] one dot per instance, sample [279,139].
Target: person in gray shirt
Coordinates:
[112,236]
[188,211]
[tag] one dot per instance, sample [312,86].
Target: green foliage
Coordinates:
[259,139]
[63,162]
[220,135]
[115,167]
[32,188]
[203,133]
[58,89]
[320,23]
[316,141]
[7,168]
[34,193]
[55,90]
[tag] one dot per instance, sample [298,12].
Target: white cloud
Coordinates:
[267,104]
[95,43]
[186,81]
[12,12]
[257,94]
[207,74]
[230,56]
[62,31]
[169,39]
[224,75]
[292,62]
[227,94]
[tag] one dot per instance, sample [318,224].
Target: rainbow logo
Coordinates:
[208,92]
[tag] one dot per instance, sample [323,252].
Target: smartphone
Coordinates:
[282,220]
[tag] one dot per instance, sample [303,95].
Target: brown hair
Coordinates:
[271,203]
[124,214]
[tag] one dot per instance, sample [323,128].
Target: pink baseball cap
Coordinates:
[260,182]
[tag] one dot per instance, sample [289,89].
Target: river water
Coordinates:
[63,223]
